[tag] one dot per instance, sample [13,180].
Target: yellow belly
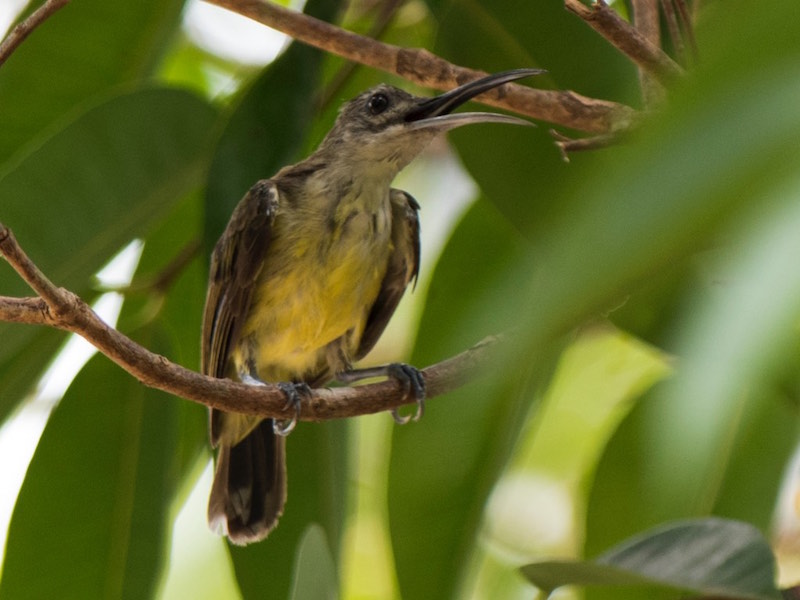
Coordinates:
[317,287]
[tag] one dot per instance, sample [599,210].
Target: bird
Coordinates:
[307,274]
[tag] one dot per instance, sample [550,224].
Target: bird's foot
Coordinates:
[407,375]
[295,392]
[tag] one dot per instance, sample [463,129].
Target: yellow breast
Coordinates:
[318,286]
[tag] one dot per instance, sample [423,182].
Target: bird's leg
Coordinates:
[294,393]
[409,376]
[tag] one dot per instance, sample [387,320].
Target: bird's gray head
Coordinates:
[388,126]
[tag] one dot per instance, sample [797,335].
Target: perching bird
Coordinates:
[305,278]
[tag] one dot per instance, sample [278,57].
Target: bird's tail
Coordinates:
[249,488]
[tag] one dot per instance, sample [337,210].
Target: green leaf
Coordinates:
[515,33]
[712,557]
[99,488]
[82,194]
[82,51]
[115,453]
[735,432]
[315,570]
[443,468]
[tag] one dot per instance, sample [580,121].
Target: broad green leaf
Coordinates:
[315,570]
[515,33]
[710,557]
[716,437]
[86,191]
[443,468]
[173,313]
[19,374]
[82,51]
[118,451]
[98,489]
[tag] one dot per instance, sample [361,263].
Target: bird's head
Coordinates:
[388,126]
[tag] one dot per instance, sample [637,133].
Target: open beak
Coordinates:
[436,112]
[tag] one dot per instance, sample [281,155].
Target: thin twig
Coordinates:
[24,28]
[566,144]
[59,308]
[626,39]
[426,69]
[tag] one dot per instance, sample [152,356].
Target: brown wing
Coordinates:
[235,264]
[403,268]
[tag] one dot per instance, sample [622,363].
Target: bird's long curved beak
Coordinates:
[436,112]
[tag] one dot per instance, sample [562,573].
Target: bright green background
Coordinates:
[653,287]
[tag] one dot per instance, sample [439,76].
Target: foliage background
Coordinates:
[654,286]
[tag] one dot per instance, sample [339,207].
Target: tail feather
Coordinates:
[249,488]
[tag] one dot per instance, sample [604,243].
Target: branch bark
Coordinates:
[426,69]
[24,29]
[627,39]
[59,308]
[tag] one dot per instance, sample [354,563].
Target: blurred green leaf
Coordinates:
[443,468]
[524,179]
[85,192]
[735,434]
[710,557]
[315,571]
[99,488]
[82,51]
[20,373]
[515,33]
[114,454]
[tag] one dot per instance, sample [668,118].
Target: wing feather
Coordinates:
[236,263]
[402,269]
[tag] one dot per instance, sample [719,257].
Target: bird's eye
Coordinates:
[378,103]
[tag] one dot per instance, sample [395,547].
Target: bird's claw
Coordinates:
[294,397]
[415,385]
[407,375]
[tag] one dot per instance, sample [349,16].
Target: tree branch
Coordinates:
[59,308]
[426,69]
[626,39]
[24,29]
